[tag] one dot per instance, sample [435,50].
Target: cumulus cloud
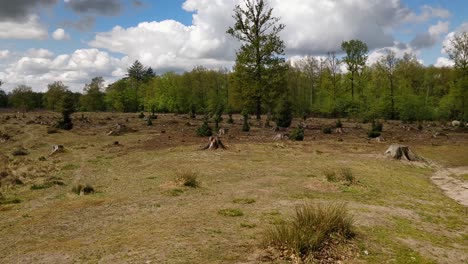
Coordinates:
[101,7]
[38,68]
[447,43]
[4,54]
[312,28]
[431,37]
[20,10]
[60,34]
[29,29]
[444,62]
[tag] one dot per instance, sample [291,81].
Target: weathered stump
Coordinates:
[281,136]
[401,152]
[214,143]
[57,149]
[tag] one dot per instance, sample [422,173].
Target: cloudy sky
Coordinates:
[42,41]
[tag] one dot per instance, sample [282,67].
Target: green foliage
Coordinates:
[68,108]
[231,212]
[284,113]
[260,66]
[297,134]
[311,228]
[53,98]
[338,124]
[141,115]
[204,130]
[93,98]
[377,126]
[23,98]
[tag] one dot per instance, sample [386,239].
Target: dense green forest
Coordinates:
[262,81]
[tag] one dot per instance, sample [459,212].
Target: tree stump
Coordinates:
[281,136]
[401,152]
[214,144]
[57,149]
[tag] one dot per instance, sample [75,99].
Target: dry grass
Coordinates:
[134,218]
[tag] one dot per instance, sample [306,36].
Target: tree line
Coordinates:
[262,82]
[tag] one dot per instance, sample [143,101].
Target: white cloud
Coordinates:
[431,37]
[38,68]
[444,62]
[4,54]
[60,34]
[398,48]
[312,28]
[30,29]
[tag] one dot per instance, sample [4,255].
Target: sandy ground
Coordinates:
[453,188]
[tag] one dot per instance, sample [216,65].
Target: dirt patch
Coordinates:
[452,187]
[441,255]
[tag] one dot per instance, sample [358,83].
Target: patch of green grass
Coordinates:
[176,192]
[247,225]
[5,201]
[331,176]
[348,176]
[311,228]
[232,212]
[70,167]
[244,201]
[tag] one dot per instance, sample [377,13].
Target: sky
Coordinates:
[43,41]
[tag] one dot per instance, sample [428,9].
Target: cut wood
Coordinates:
[57,149]
[401,152]
[214,144]
[281,136]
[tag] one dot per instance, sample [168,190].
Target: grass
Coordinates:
[231,212]
[188,179]
[244,201]
[6,201]
[136,219]
[311,228]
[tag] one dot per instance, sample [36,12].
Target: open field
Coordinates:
[141,213]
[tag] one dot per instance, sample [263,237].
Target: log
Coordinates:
[401,152]
[214,144]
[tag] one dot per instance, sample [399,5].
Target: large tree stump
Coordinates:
[214,143]
[401,152]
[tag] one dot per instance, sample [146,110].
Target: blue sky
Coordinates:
[42,41]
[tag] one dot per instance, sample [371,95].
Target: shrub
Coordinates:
[377,126]
[19,152]
[297,134]
[246,126]
[311,229]
[231,212]
[284,113]
[80,189]
[230,119]
[141,115]
[68,108]
[338,124]
[331,176]
[189,179]
[348,176]
[373,134]
[327,130]
[204,130]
